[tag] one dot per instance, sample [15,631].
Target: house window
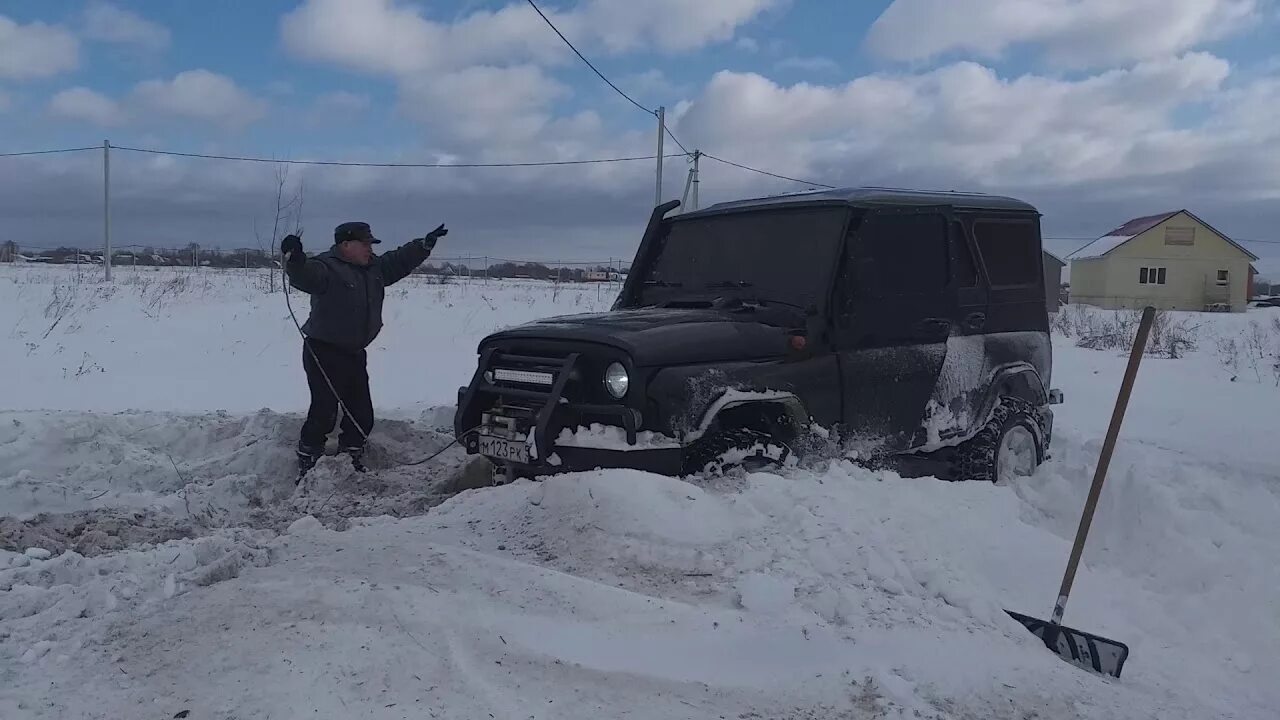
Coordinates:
[1151,276]
[1223,277]
[1179,236]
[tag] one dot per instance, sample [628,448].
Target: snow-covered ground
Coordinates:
[145,447]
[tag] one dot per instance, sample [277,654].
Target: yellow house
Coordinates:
[1174,261]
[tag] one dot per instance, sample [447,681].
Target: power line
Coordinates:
[666,127]
[245,158]
[49,152]
[766,172]
[588,62]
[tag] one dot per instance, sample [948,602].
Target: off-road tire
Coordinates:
[976,459]
[707,455]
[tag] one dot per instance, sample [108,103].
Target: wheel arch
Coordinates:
[746,409]
[1020,380]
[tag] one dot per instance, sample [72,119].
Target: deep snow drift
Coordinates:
[165,562]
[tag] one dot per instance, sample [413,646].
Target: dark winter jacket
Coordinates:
[346,299]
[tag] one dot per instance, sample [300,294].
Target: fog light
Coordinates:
[616,380]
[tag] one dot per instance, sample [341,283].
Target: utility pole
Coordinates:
[662,128]
[696,154]
[106,208]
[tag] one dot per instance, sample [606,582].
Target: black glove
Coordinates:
[291,247]
[429,241]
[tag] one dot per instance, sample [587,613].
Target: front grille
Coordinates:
[539,388]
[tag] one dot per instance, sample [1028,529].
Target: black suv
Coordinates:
[907,327]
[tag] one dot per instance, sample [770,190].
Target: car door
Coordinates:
[891,334]
[1017,323]
[958,393]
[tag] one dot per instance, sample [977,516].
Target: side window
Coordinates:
[902,254]
[1008,249]
[966,270]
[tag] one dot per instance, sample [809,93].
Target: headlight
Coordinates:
[616,380]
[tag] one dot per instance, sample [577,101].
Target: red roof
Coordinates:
[1137,226]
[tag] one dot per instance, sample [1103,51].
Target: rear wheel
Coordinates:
[1009,446]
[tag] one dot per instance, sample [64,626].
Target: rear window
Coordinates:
[1009,249]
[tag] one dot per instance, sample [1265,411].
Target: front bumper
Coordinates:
[515,423]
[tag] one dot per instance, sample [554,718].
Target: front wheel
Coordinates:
[745,448]
[1009,446]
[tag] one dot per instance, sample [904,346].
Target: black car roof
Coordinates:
[869,197]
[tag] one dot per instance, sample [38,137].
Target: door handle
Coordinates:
[975,320]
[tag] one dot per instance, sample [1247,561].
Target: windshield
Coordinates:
[784,256]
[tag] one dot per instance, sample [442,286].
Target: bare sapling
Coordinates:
[288,219]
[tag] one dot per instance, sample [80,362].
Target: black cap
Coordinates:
[354,231]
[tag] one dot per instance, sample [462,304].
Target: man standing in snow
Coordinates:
[347,284]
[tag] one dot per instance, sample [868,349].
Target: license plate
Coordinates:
[504,449]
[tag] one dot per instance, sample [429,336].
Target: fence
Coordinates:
[194,256]
[611,270]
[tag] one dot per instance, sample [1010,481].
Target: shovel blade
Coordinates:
[1087,650]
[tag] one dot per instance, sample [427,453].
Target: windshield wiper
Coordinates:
[662,283]
[729,284]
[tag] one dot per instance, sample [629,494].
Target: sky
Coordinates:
[1092,110]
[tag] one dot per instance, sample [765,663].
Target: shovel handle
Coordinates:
[1104,460]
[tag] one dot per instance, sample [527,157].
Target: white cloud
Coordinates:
[105,22]
[963,122]
[669,25]
[339,107]
[83,104]
[808,64]
[393,37]
[200,95]
[747,44]
[390,37]
[480,79]
[484,104]
[36,50]
[1071,33]
[342,102]
[654,84]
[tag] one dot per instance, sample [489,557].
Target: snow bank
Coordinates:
[815,594]
[211,470]
[156,558]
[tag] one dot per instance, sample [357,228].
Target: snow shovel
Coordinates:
[1099,654]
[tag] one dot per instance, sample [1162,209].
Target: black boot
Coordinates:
[357,458]
[306,461]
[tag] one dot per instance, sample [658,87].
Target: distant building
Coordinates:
[1052,280]
[1173,261]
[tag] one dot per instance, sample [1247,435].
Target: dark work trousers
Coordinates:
[348,371]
